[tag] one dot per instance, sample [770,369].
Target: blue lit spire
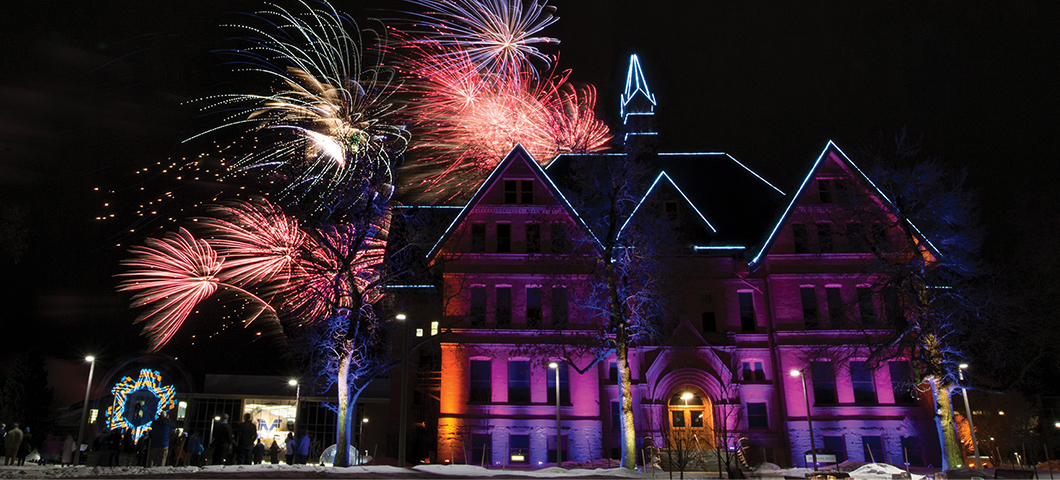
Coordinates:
[636,84]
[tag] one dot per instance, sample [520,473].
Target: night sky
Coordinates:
[92,91]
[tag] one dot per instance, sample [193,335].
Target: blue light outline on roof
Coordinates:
[885,197]
[718,247]
[641,85]
[410,286]
[492,177]
[745,167]
[798,193]
[645,197]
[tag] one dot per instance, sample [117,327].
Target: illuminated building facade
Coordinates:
[767,281]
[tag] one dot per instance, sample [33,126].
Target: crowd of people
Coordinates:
[19,442]
[163,445]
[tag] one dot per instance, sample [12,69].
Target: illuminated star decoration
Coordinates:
[127,412]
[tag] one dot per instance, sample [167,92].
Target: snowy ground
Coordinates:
[871,471]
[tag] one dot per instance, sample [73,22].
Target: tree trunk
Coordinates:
[951,448]
[625,379]
[342,434]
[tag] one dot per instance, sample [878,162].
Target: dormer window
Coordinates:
[519,192]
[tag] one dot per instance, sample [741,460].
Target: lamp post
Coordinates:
[968,412]
[360,440]
[297,397]
[403,416]
[216,418]
[809,418]
[84,409]
[559,424]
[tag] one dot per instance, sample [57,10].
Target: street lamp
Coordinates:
[559,431]
[297,397]
[968,412]
[216,418]
[84,409]
[360,435]
[809,419]
[403,417]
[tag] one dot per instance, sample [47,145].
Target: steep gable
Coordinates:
[517,185]
[822,215]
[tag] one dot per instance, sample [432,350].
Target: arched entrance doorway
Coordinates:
[691,412]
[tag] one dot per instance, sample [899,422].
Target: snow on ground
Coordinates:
[305,471]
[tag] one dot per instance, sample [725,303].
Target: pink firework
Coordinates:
[258,242]
[170,275]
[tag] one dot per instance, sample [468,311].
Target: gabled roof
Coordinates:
[517,152]
[812,173]
[739,203]
[661,180]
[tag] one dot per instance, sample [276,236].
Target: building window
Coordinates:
[710,321]
[842,193]
[519,448]
[560,307]
[914,454]
[757,416]
[823,383]
[836,444]
[477,311]
[480,449]
[753,372]
[824,191]
[559,237]
[678,418]
[873,445]
[866,308]
[564,385]
[892,307]
[518,381]
[504,238]
[747,312]
[855,237]
[563,448]
[533,238]
[824,237]
[902,382]
[504,307]
[612,372]
[809,307]
[616,416]
[802,239]
[533,307]
[837,315]
[864,385]
[434,328]
[480,382]
[671,210]
[519,191]
[478,238]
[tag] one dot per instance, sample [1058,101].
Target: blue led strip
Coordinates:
[661,176]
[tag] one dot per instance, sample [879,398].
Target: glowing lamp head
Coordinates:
[400,316]
[1000,412]
[364,420]
[292,382]
[90,358]
[795,373]
[686,396]
[553,365]
[963,366]
[1057,425]
[217,418]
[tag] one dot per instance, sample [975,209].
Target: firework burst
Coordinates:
[500,37]
[328,123]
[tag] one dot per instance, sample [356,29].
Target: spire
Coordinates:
[638,110]
[632,103]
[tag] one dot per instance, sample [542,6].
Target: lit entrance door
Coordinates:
[691,411]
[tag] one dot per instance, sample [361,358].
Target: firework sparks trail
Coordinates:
[498,36]
[171,276]
[260,253]
[328,123]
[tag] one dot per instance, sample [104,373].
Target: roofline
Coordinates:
[798,192]
[508,159]
[661,175]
